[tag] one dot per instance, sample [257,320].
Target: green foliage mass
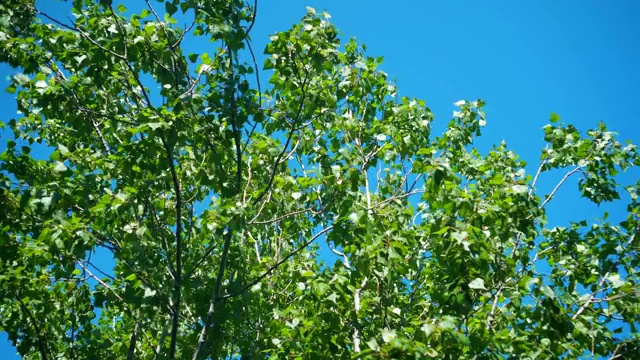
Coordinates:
[213,194]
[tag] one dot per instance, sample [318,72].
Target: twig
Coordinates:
[494,306]
[417,191]
[253,18]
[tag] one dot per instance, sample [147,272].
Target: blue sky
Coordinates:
[526,59]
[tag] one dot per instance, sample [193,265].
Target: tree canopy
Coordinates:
[214,194]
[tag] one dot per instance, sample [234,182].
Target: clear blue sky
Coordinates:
[526,59]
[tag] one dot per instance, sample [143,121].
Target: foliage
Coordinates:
[213,194]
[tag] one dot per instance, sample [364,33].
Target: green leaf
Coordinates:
[477,284]
[59,167]
[373,344]
[170,7]
[21,79]
[63,149]
[548,291]
[156,125]
[388,335]
[149,292]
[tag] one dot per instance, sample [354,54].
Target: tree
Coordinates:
[213,195]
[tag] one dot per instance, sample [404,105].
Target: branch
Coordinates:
[538,172]
[177,285]
[286,144]
[387,200]
[185,32]
[163,335]
[356,308]
[591,296]
[494,306]
[345,259]
[564,178]
[41,345]
[92,275]
[280,217]
[81,107]
[215,295]
[604,277]
[253,18]
[115,54]
[132,343]
[276,265]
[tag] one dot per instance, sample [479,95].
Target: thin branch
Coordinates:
[246,187]
[81,107]
[502,286]
[115,54]
[590,298]
[345,259]
[255,66]
[387,200]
